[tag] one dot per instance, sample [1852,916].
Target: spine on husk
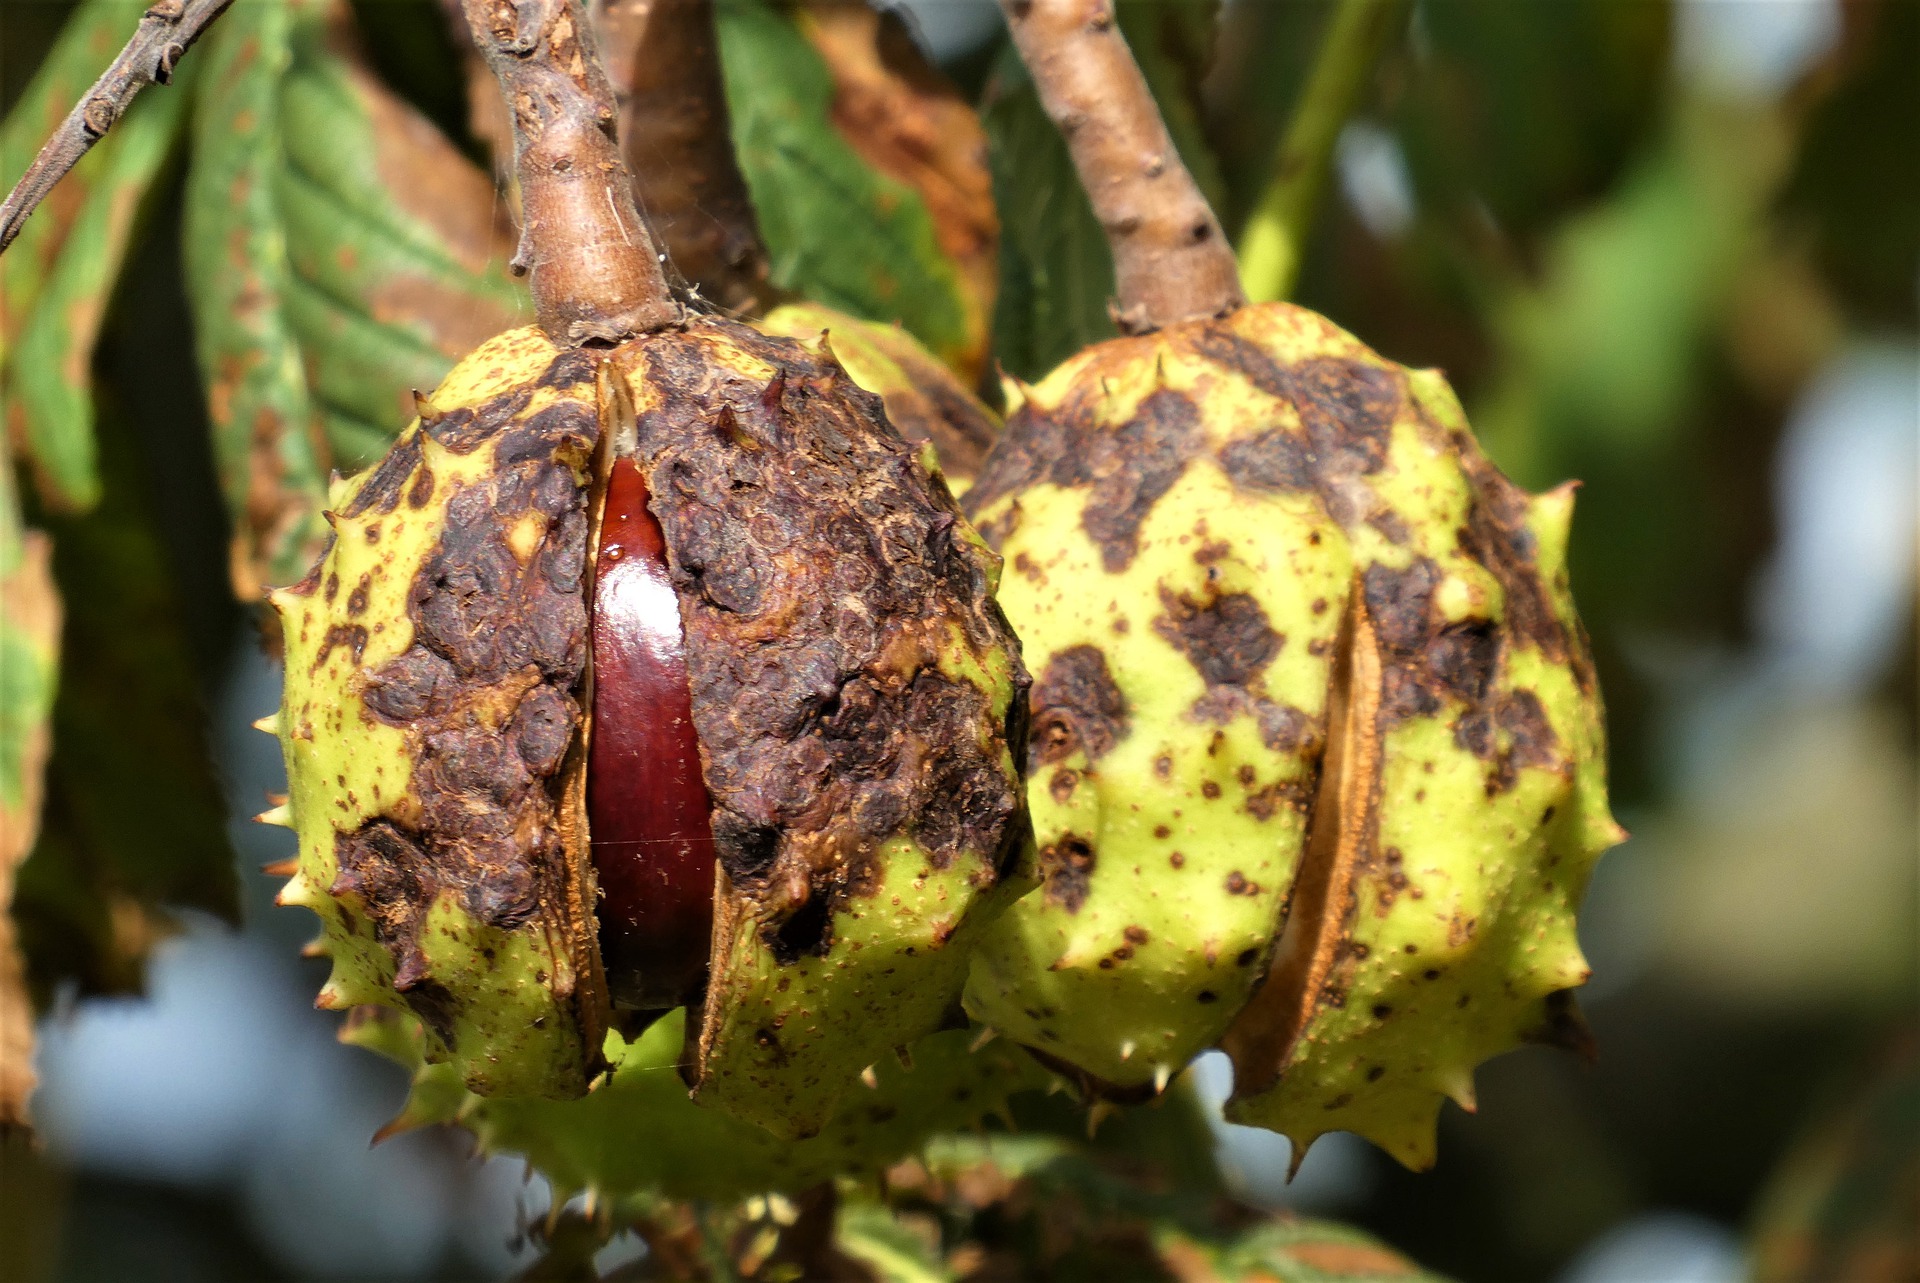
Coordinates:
[1317,756]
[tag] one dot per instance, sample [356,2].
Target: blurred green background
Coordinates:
[1670,249]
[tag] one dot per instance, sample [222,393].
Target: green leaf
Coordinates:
[49,372]
[341,254]
[133,819]
[1263,55]
[271,462]
[29,659]
[1529,110]
[1302,1251]
[839,231]
[1056,272]
[29,668]
[396,243]
[1856,178]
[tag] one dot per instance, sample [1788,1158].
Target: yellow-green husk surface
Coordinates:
[1192,520]
[475,931]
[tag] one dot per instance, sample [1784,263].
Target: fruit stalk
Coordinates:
[1171,261]
[593,269]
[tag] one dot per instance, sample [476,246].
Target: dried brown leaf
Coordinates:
[29,636]
[907,121]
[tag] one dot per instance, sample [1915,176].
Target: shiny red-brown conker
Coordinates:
[648,812]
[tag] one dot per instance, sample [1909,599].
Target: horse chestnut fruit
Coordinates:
[761,754]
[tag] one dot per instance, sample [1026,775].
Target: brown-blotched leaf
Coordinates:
[907,121]
[341,253]
[29,656]
[839,231]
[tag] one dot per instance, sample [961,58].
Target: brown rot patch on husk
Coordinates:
[1066,871]
[1496,535]
[1346,407]
[1077,708]
[1430,663]
[824,583]
[1125,469]
[382,490]
[466,429]
[1226,637]
[488,694]
[935,407]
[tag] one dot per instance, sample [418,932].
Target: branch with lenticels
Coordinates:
[1171,261]
[166,31]
[593,270]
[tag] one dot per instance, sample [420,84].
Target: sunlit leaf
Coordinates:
[341,254]
[840,232]
[908,123]
[397,244]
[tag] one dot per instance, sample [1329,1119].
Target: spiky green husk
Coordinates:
[1189,517]
[1454,940]
[421,910]
[1137,572]
[637,1138]
[825,646]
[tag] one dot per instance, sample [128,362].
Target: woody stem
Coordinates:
[1171,261]
[593,269]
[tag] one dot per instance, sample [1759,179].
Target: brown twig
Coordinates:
[675,135]
[593,270]
[166,31]
[1171,262]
